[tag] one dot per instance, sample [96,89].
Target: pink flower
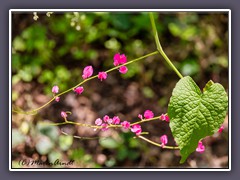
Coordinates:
[221,129]
[106,118]
[140,116]
[104,127]
[125,124]
[119,59]
[200,148]
[55,89]
[64,114]
[79,90]
[57,99]
[164,140]
[165,117]
[148,114]
[123,69]
[116,120]
[137,129]
[98,122]
[87,72]
[102,76]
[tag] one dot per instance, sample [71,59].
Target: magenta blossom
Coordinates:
[164,140]
[123,69]
[110,121]
[79,90]
[98,122]
[148,114]
[102,76]
[200,148]
[57,99]
[165,117]
[221,129]
[55,89]
[125,124]
[104,127]
[119,59]
[64,114]
[116,120]
[137,129]
[87,72]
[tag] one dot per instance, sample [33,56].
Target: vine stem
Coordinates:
[99,127]
[159,47]
[34,111]
[157,144]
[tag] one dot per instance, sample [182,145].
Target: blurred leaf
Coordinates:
[110,163]
[17,138]
[19,44]
[53,156]
[109,143]
[190,67]
[148,92]
[50,131]
[24,128]
[112,44]
[76,154]
[133,154]
[44,145]
[65,142]
[122,153]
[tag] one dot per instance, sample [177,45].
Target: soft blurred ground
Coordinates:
[54,50]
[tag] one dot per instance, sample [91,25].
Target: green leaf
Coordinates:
[195,115]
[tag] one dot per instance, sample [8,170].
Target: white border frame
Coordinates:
[119,10]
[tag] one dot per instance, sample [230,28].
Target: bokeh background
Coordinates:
[52,49]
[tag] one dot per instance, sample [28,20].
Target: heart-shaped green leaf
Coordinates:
[195,115]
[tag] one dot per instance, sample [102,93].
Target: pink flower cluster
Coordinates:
[118,60]
[106,121]
[165,117]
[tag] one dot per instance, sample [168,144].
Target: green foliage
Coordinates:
[195,115]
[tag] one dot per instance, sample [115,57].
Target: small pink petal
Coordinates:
[106,118]
[116,120]
[123,69]
[148,114]
[98,122]
[57,99]
[164,140]
[104,127]
[200,148]
[140,116]
[87,72]
[137,129]
[63,114]
[125,124]
[79,90]
[102,76]
[55,89]
[221,129]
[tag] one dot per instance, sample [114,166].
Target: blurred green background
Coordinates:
[52,49]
